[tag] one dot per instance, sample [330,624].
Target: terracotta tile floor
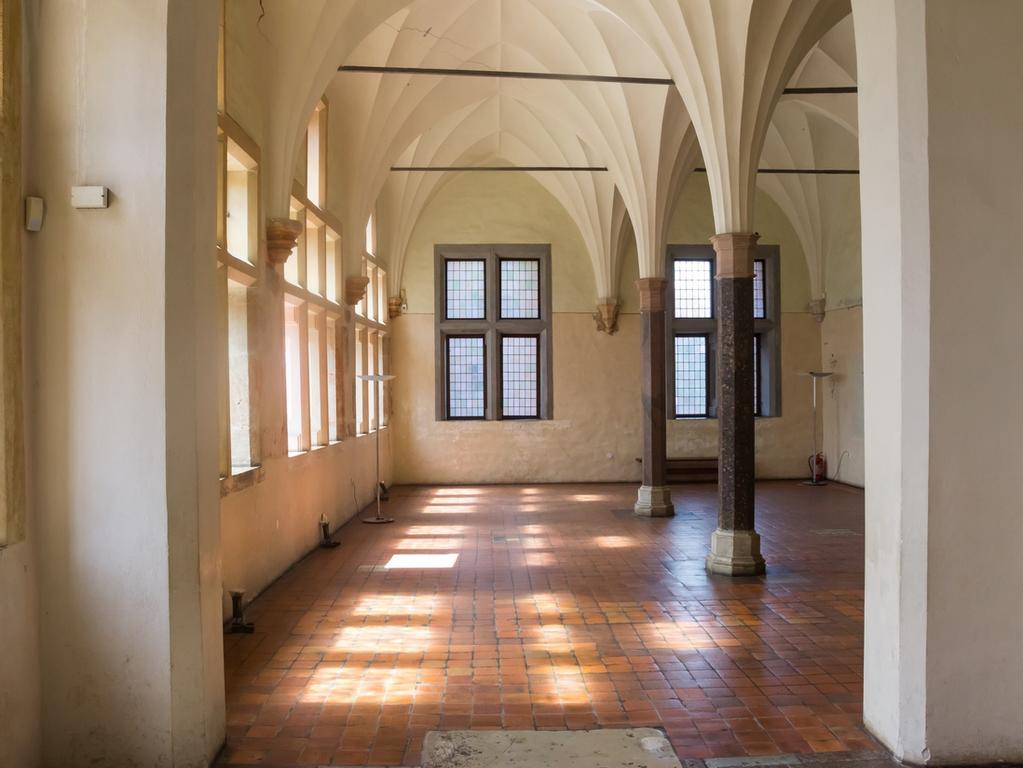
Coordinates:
[553,607]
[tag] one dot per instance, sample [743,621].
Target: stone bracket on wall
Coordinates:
[606,316]
[394,305]
[355,289]
[281,239]
[818,307]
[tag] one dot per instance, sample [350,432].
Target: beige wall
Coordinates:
[595,432]
[20,706]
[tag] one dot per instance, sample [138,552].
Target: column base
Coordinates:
[735,553]
[654,501]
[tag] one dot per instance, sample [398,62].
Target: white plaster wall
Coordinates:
[20,707]
[595,432]
[119,484]
[941,190]
[974,625]
[891,62]
[842,394]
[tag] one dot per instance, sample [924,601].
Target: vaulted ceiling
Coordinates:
[729,60]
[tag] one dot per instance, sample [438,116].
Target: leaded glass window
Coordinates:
[690,377]
[466,366]
[466,289]
[693,288]
[520,289]
[520,366]
[759,290]
[493,308]
[691,353]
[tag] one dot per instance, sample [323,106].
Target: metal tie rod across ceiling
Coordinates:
[560,76]
[807,171]
[499,168]
[512,75]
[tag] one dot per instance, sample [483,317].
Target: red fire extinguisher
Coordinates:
[818,467]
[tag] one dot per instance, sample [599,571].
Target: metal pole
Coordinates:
[377,381]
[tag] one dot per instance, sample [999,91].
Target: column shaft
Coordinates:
[654,498]
[735,546]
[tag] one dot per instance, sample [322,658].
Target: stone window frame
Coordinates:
[241,269]
[766,329]
[492,328]
[12,441]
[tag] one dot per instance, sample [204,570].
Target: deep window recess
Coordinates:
[493,310]
[692,377]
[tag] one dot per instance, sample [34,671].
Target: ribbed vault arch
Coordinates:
[730,62]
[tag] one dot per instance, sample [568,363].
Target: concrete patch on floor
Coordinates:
[611,748]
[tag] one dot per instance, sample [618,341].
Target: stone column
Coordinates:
[654,496]
[735,545]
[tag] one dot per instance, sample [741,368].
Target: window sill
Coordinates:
[239,481]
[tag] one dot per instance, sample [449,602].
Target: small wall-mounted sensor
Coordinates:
[89,197]
[34,211]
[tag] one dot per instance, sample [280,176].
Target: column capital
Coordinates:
[735,253]
[281,238]
[651,293]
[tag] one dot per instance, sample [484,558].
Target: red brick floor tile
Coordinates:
[562,610]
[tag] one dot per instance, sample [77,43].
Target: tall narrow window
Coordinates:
[759,289]
[237,253]
[371,369]
[317,412]
[333,420]
[371,236]
[493,332]
[316,156]
[691,366]
[690,376]
[361,416]
[242,197]
[238,366]
[293,368]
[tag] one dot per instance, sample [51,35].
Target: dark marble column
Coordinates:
[654,499]
[735,545]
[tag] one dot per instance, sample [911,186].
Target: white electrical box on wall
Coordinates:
[34,210]
[89,197]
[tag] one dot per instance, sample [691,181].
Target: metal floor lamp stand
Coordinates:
[815,376]
[379,519]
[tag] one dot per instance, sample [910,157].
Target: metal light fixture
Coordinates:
[377,379]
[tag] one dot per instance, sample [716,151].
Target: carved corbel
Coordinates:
[394,305]
[606,316]
[355,289]
[818,307]
[281,238]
